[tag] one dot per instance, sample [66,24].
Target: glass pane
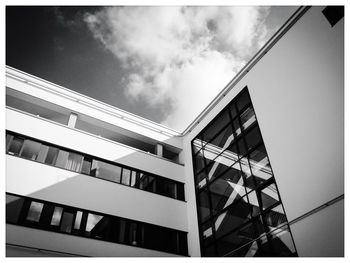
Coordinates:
[226,189]
[74,162]
[243,100]
[221,121]
[78,220]
[222,140]
[282,243]
[259,164]
[16,145]
[67,222]
[51,156]
[210,251]
[13,208]
[30,149]
[247,118]
[126,176]
[196,145]
[8,141]
[106,171]
[221,164]
[201,179]
[253,137]
[254,203]
[34,212]
[203,205]
[275,218]
[86,168]
[199,161]
[269,196]
[92,221]
[236,127]
[133,178]
[238,214]
[207,233]
[56,217]
[42,153]
[231,242]
[62,159]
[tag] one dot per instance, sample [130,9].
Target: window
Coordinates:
[34,212]
[89,224]
[15,146]
[126,176]
[106,171]
[30,149]
[237,197]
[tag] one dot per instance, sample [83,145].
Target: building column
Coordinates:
[159,150]
[72,120]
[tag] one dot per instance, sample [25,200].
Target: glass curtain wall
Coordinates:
[239,208]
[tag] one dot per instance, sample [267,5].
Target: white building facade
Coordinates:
[259,173]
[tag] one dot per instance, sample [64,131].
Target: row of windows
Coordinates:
[64,219]
[21,146]
[238,203]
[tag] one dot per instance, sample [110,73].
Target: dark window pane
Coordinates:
[203,205]
[86,168]
[56,217]
[30,149]
[282,243]
[259,164]
[13,208]
[67,222]
[253,137]
[247,118]
[201,179]
[236,127]
[92,222]
[206,232]
[51,156]
[199,161]
[106,171]
[221,121]
[210,251]
[16,145]
[275,218]
[238,214]
[226,189]
[222,140]
[180,191]
[269,196]
[243,100]
[126,176]
[34,212]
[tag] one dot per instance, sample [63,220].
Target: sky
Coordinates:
[163,63]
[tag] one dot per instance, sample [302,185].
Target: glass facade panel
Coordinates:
[237,198]
[126,176]
[106,171]
[15,146]
[13,208]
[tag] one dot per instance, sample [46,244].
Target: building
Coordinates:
[259,172]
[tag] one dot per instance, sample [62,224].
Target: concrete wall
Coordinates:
[297,90]
[80,141]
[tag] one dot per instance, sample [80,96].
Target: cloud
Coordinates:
[179,57]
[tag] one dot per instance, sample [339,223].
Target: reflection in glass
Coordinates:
[247,118]
[74,162]
[15,146]
[67,222]
[269,196]
[126,176]
[78,220]
[34,212]
[92,221]
[56,217]
[30,149]
[51,156]
[203,205]
[106,171]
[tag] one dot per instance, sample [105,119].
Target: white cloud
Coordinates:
[184,55]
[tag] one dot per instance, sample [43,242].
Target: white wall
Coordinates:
[79,103]
[72,244]
[76,140]
[297,91]
[33,179]
[321,234]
